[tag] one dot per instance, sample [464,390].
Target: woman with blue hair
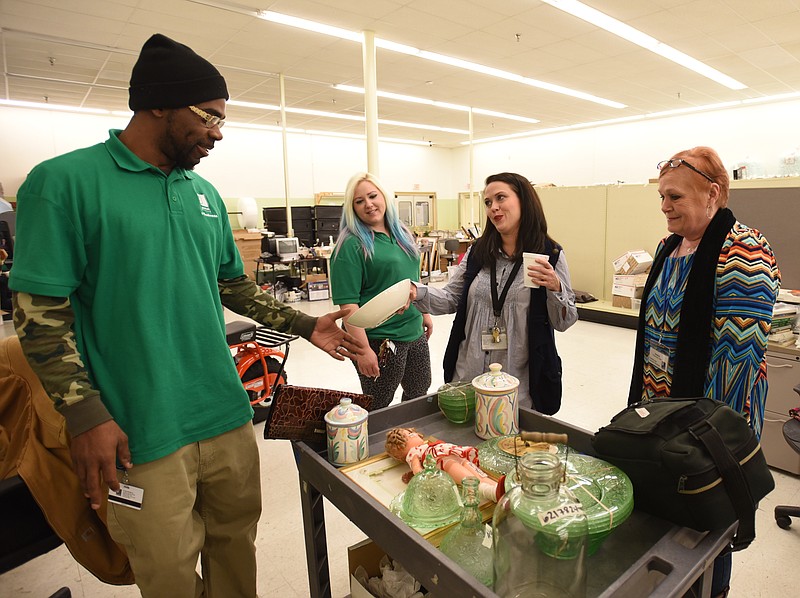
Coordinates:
[374,251]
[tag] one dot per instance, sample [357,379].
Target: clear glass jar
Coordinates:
[540,535]
[466,543]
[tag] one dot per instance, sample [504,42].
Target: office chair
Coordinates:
[452,247]
[791,432]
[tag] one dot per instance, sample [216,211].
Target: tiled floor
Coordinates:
[597,362]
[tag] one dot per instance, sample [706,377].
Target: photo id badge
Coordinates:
[494,338]
[127,496]
[658,357]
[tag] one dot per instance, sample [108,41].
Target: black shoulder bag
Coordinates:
[695,462]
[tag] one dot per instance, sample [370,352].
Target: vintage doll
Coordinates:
[406,444]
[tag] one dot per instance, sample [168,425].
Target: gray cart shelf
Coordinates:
[644,556]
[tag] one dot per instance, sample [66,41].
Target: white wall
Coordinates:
[629,152]
[246,162]
[249,162]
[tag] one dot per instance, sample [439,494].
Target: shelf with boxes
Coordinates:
[311,224]
[630,276]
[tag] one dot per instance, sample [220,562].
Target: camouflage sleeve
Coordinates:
[45,329]
[246,298]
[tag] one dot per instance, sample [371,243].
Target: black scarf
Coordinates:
[692,353]
[544,364]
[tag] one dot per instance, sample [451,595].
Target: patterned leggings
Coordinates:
[409,366]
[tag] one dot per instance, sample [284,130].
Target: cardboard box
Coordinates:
[367,554]
[316,277]
[626,291]
[317,291]
[622,301]
[628,280]
[633,262]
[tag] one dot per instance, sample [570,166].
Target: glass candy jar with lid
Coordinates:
[466,543]
[540,535]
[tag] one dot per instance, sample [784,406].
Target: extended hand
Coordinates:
[95,453]
[329,337]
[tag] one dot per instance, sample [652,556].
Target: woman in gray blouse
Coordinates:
[499,319]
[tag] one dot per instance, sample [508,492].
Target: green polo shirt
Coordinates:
[357,280]
[138,253]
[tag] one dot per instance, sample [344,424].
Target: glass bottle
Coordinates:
[540,535]
[466,543]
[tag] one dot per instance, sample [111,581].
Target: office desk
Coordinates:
[291,268]
[644,556]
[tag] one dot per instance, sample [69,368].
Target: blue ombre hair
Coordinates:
[352,225]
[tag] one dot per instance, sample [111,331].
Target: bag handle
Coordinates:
[735,483]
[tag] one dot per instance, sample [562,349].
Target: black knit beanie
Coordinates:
[169,74]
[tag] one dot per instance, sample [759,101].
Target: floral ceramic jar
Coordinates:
[496,403]
[346,431]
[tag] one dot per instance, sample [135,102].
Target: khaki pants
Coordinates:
[204,499]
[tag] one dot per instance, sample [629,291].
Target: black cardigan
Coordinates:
[692,353]
[544,364]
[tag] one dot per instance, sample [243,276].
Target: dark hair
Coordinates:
[532,227]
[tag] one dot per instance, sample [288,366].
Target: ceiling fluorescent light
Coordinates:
[57,107]
[253,105]
[665,113]
[620,29]
[398,123]
[493,72]
[523,119]
[276,17]
[364,137]
[776,98]
[385,44]
[309,112]
[282,19]
[447,105]
[340,116]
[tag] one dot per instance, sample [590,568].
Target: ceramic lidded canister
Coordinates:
[346,430]
[496,403]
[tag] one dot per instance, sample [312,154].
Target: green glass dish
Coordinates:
[604,491]
[499,455]
[457,401]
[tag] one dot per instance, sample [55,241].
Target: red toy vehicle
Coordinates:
[259,362]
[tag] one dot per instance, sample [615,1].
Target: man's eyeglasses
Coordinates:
[210,120]
[677,162]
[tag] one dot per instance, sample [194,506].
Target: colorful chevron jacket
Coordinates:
[747,283]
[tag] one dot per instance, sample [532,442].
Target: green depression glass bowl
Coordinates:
[499,455]
[604,491]
[457,401]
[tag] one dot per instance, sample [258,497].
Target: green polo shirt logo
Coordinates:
[205,209]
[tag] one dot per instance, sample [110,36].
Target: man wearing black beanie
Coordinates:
[124,258]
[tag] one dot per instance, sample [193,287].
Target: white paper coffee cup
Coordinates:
[528,259]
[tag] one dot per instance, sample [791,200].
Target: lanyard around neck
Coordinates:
[497,303]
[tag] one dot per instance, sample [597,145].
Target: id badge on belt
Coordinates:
[658,357]
[494,338]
